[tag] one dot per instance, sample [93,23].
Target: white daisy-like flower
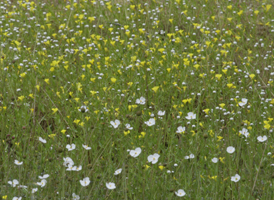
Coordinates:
[16,198]
[161,113]
[191,156]
[243,102]
[190,116]
[68,161]
[42,140]
[180,193]
[230,149]
[110,186]
[42,183]
[18,163]
[128,127]
[153,158]
[85,181]
[71,147]
[215,160]
[235,178]
[75,197]
[141,101]
[86,147]
[136,152]
[262,138]
[150,122]
[115,123]
[118,171]
[244,132]
[44,176]
[13,183]
[83,109]
[70,167]
[181,129]
[75,168]
[34,190]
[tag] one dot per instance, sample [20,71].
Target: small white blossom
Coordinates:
[230,149]
[85,181]
[262,138]
[180,193]
[136,152]
[110,185]
[190,116]
[235,178]
[115,123]
[153,158]
[118,171]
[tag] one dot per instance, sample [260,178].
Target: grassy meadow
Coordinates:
[121,99]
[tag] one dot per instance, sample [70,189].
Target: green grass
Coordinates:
[206,57]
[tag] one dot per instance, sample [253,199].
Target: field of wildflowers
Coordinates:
[125,99]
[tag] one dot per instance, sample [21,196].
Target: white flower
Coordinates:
[68,161]
[86,147]
[235,178]
[128,127]
[13,183]
[191,156]
[16,198]
[118,171]
[70,147]
[214,160]
[150,122]
[115,123]
[42,140]
[70,167]
[34,190]
[180,129]
[180,193]
[83,109]
[244,132]
[44,176]
[262,139]
[161,113]
[186,157]
[153,158]
[17,162]
[42,183]
[141,101]
[85,181]
[190,116]
[110,185]
[136,152]
[243,102]
[75,197]
[75,168]
[230,149]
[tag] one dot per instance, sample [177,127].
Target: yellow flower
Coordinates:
[63,131]
[218,76]
[155,88]
[240,12]
[206,111]
[222,105]
[113,80]
[161,167]
[47,80]
[21,98]
[54,110]
[52,135]
[256,12]
[5,197]
[252,76]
